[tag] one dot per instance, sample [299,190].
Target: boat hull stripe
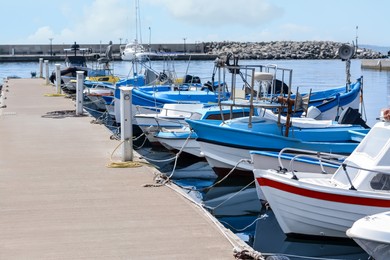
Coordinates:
[324,195]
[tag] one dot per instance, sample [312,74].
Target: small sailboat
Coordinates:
[135,51]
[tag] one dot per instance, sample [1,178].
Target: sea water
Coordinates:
[236,208]
[307,74]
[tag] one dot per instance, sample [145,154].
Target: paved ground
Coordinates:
[58,200]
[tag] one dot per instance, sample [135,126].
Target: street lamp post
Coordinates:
[51,46]
[357,27]
[184,39]
[150,39]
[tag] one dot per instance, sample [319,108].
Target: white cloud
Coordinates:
[101,21]
[41,35]
[220,12]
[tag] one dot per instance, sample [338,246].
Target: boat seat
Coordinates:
[103,60]
[176,130]
[262,76]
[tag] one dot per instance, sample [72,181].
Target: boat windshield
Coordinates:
[376,145]
[381,181]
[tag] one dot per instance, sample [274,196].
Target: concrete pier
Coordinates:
[58,200]
[377,64]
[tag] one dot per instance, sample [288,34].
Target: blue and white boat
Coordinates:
[226,145]
[183,139]
[156,96]
[329,104]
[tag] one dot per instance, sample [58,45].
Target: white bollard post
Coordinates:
[58,78]
[41,67]
[126,123]
[79,92]
[47,71]
[2,103]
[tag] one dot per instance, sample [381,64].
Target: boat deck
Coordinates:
[58,200]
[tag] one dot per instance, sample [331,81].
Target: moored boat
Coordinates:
[183,139]
[226,145]
[372,233]
[327,207]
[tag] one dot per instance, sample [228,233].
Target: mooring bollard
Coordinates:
[58,78]
[79,92]
[47,71]
[126,123]
[41,67]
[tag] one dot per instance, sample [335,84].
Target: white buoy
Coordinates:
[58,78]
[47,71]
[79,92]
[126,123]
[41,67]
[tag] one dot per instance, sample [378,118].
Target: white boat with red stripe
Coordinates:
[328,206]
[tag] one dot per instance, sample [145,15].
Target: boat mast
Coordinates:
[137,23]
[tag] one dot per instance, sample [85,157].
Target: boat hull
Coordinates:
[223,150]
[372,233]
[309,210]
[184,144]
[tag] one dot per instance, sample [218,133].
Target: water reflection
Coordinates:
[238,208]
[269,238]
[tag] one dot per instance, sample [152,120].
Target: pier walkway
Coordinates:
[58,200]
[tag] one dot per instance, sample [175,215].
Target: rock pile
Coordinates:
[285,50]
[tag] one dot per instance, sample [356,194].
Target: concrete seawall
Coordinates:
[61,58]
[382,64]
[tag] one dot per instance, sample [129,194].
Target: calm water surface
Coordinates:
[244,216]
[314,74]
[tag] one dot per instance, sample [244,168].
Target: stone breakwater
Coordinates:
[286,50]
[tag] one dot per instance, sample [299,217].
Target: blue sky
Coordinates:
[170,21]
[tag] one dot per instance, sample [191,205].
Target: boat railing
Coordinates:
[181,123]
[322,158]
[383,175]
[262,84]
[167,111]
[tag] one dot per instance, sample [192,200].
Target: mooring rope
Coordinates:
[126,164]
[165,179]
[54,95]
[247,226]
[232,196]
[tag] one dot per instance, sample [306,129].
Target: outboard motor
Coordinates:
[352,116]
[189,79]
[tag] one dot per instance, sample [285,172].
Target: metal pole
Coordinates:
[126,123]
[47,71]
[41,67]
[58,78]
[150,39]
[51,46]
[79,92]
